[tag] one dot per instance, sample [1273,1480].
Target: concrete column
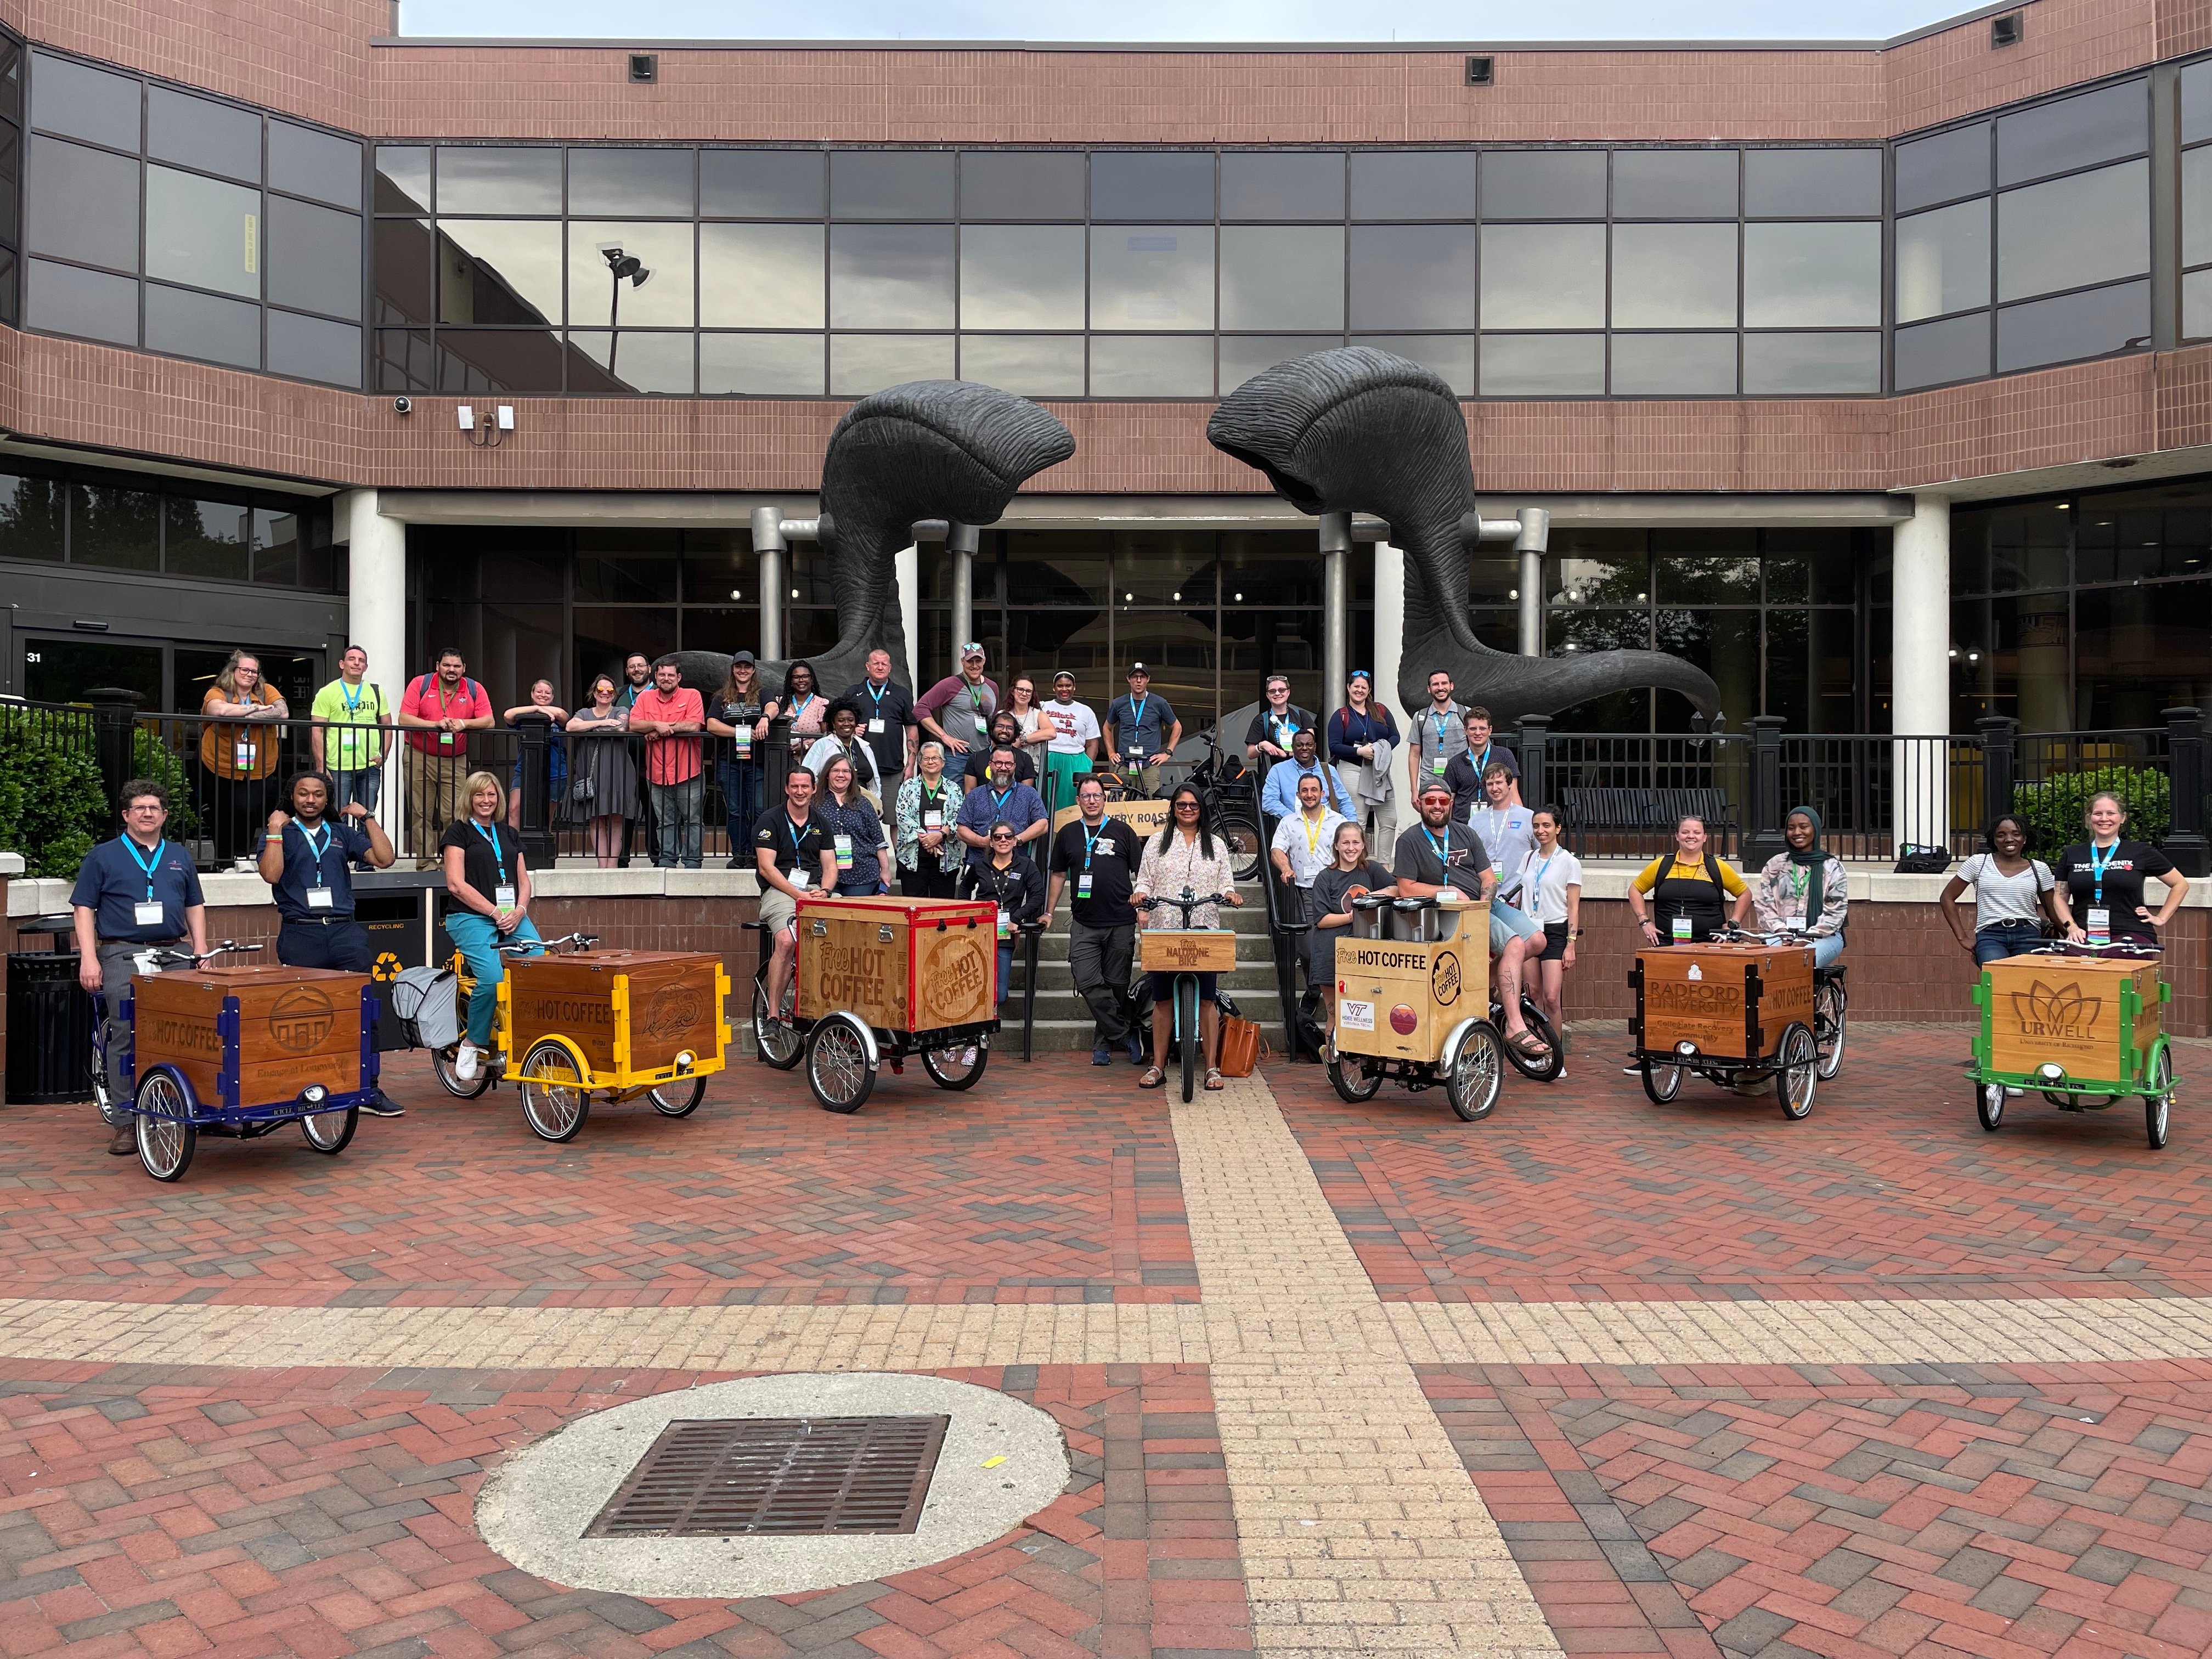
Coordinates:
[1335,538]
[907,569]
[1920,672]
[376,616]
[1389,627]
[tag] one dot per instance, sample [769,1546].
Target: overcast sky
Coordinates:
[1183,20]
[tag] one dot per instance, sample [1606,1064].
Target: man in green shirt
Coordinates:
[350,735]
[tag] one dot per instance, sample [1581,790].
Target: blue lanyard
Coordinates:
[146,866]
[352,695]
[1443,723]
[877,695]
[499,856]
[322,846]
[2097,868]
[1137,713]
[999,801]
[1090,841]
[1532,891]
[1285,726]
[799,709]
[1443,848]
[1482,765]
[798,841]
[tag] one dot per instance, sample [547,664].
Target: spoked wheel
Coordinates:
[166,1138]
[1188,1041]
[1988,1106]
[1478,1073]
[554,1102]
[1796,1072]
[956,1068]
[679,1098]
[330,1133]
[1554,1062]
[1661,1082]
[837,1068]
[1830,1003]
[1349,1076]
[2158,1104]
[1245,844]
[441,1061]
[773,1040]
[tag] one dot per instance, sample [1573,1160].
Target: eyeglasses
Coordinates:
[973,648]
[1367,674]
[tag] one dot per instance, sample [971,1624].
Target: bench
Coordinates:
[1639,816]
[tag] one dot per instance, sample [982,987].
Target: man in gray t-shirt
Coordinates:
[1437,853]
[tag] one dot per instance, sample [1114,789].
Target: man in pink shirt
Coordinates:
[437,713]
[670,718]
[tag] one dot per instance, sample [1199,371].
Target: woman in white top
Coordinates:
[1550,880]
[1034,729]
[1186,854]
[2012,895]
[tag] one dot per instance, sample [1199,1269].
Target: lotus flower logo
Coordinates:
[2056,1011]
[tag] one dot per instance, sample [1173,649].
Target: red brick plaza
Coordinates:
[172,1493]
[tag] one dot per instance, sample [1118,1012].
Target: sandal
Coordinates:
[1153,1079]
[1213,1077]
[1528,1045]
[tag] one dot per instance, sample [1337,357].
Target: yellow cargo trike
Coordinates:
[1412,994]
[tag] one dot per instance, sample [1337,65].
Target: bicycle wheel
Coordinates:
[1188,1041]
[1478,1073]
[1830,1005]
[1988,1106]
[1349,1076]
[958,1067]
[775,1043]
[329,1132]
[554,1102]
[2158,1105]
[678,1099]
[166,1137]
[837,1068]
[1537,1070]
[1246,845]
[1796,1072]
[1661,1083]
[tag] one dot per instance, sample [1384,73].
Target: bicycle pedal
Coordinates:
[898,1066]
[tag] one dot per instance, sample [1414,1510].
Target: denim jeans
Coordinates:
[678,823]
[366,786]
[1827,949]
[740,781]
[476,938]
[2005,938]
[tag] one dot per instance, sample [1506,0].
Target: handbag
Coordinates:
[1240,1046]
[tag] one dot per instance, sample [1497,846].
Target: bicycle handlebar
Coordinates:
[524,947]
[174,958]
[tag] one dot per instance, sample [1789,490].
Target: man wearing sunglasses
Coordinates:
[956,711]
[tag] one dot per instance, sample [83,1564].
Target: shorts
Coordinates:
[1508,924]
[1555,942]
[778,909]
[1163,987]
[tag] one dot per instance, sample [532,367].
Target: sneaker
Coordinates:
[1635,1070]
[1102,1055]
[380,1104]
[1136,1049]
[464,1062]
[123,1142]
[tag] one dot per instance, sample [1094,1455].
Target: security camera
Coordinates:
[403,405]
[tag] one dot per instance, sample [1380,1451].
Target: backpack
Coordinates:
[426,1001]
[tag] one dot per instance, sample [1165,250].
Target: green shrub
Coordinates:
[52,808]
[2053,808]
[150,759]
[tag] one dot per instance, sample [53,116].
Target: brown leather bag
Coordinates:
[1240,1047]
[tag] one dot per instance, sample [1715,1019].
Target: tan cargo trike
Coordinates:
[1412,994]
[1737,1011]
[2080,1023]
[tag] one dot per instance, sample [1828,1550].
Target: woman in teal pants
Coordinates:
[487,903]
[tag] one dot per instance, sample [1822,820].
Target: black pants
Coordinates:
[1099,960]
[928,883]
[334,942]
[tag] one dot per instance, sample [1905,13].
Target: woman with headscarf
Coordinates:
[1804,890]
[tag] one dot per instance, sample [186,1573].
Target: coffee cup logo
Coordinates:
[300,1020]
[959,977]
[1444,979]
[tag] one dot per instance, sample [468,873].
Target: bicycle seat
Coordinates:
[1832,974]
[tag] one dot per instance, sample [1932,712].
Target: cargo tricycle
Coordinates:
[1186,952]
[1737,1011]
[2080,1023]
[1412,987]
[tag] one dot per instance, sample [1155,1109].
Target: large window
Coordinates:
[178,223]
[121,521]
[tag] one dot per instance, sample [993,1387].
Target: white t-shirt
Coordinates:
[1073,725]
[1545,882]
[1310,847]
[2000,898]
[1508,833]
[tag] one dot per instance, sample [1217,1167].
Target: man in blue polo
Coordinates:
[138,892]
[1278,796]
[1142,730]
[1002,798]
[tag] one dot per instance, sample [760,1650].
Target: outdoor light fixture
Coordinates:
[1482,71]
[1687,1050]
[619,266]
[2007,30]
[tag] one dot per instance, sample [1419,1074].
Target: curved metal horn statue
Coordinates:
[1359,430]
[929,449]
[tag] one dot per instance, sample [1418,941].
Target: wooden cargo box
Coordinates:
[254,1036]
[1187,951]
[632,1010]
[1733,1001]
[2098,1019]
[1399,1000]
[899,964]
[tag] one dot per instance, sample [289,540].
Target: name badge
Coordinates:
[445,739]
[149,914]
[876,727]
[2097,925]
[246,751]
[1083,883]
[503,897]
[1136,752]
[932,820]
[798,877]
[320,898]
[983,724]
[1681,928]
[844,845]
[745,740]
[1006,923]
[1437,765]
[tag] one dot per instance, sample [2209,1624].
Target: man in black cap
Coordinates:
[1141,731]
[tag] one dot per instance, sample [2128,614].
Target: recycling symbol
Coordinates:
[385,969]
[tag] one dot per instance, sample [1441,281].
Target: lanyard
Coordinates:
[1496,822]
[1090,841]
[1534,890]
[1285,726]
[499,855]
[319,848]
[352,695]
[1137,713]
[445,704]
[878,697]
[999,800]
[2097,868]
[975,697]
[1312,827]
[799,709]
[1443,847]
[146,866]
[798,841]
[1482,765]
[1442,721]
[932,799]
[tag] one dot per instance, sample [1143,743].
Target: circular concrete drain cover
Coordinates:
[535,1508]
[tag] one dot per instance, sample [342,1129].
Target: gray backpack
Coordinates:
[428,1002]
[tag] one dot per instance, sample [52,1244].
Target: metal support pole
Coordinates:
[2000,760]
[534,773]
[1763,834]
[2185,839]
[1531,542]
[114,718]
[770,545]
[961,541]
[1335,610]
[1535,729]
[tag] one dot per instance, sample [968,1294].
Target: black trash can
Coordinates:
[391,908]
[49,1030]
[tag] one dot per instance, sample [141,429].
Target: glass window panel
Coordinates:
[199,132]
[626,567]
[2196,103]
[202,232]
[495,178]
[2087,324]
[1943,166]
[1809,565]
[861,363]
[631,361]
[1543,184]
[761,275]
[1674,276]
[605,638]
[1243,356]
[1260,567]
[762,184]
[499,271]
[477,360]
[1674,184]
[405,289]
[1543,275]
[1807,364]
[1152,185]
[2141,651]
[890,276]
[1021,185]
[206,538]
[719,566]
[81,204]
[90,304]
[120,529]
[1030,365]
[314,349]
[2197,206]
[1056,567]
[630,183]
[1812,275]
[1451,356]
[1943,260]
[2196,304]
[1708,580]
[2089,228]
[11,80]
[1673,365]
[1021,276]
[1282,184]
[761,365]
[662,300]
[1135,365]
[2008,549]
[403,362]
[402,178]
[318,164]
[1151,277]
[201,326]
[314,258]
[1932,354]
[11,174]
[276,547]
[890,183]
[1413,185]
[1414,277]
[31,519]
[84,102]
[1810,184]
[1282,277]
[1542,365]
[2073,132]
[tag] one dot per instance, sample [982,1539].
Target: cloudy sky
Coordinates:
[1184,20]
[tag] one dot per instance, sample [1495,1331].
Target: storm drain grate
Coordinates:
[821,1476]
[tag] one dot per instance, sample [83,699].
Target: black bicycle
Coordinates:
[1228,790]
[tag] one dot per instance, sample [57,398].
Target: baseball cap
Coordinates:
[743,656]
[973,648]
[1139,668]
[1435,787]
